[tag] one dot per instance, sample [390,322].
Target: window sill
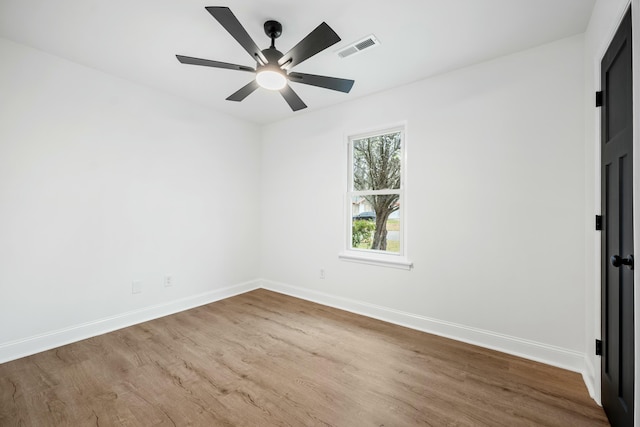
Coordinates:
[393,261]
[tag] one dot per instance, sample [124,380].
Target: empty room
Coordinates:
[332,213]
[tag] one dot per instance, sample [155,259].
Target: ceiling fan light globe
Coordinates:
[271,80]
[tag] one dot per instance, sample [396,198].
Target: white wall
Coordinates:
[103,182]
[605,20]
[495,204]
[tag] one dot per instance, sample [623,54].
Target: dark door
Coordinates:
[617,235]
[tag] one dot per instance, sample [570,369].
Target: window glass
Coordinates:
[375,192]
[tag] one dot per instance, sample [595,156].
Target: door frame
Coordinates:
[635,22]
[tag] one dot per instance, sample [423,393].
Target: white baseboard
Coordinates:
[25,347]
[551,355]
[532,350]
[590,380]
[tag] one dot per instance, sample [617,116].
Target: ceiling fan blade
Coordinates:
[292,98]
[316,41]
[228,20]
[210,63]
[244,91]
[333,83]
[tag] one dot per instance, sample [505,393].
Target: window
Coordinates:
[375,199]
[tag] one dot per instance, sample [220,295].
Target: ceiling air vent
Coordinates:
[357,47]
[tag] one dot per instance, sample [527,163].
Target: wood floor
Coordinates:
[262,359]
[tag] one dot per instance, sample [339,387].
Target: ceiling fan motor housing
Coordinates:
[272,54]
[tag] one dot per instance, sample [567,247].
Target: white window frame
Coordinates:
[368,256]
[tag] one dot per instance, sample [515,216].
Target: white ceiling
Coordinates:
[137,40]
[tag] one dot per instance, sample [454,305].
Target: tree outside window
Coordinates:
[376,190]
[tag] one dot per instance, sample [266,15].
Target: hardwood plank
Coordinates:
[263,358]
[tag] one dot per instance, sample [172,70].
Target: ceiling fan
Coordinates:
[272,67]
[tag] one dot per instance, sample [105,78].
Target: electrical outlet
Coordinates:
[136,286]
[322,273]
[168,281]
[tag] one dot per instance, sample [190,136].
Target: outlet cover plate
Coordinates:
[136,286]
